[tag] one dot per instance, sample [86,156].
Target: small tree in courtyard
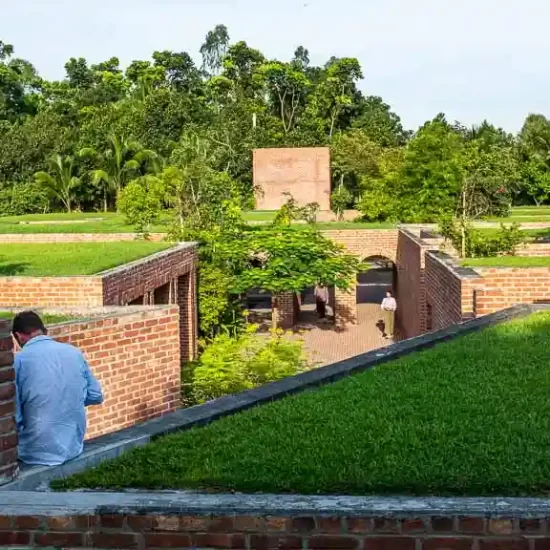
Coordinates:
[282,259]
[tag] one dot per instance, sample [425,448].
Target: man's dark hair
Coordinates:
[27,322]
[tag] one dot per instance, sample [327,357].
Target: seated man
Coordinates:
[53,386]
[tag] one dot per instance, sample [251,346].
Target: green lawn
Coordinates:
[508,261]
[47,318]
[55,259]
[468,417]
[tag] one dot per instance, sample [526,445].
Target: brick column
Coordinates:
[187,301]
[286,309]
[345,307]
[8,434]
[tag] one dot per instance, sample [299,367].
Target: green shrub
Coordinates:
[230,365]
[23,198]
[472,243]
[340,200]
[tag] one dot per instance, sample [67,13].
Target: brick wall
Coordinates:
[302,172]
[136,357]
[505,287]
[523,531]
[410,291]
[8,435]
[51,291]
[288,309]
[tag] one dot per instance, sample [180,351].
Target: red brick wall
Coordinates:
[410,291]
[51,291]
[525,531]
[302,172]
[506,287]
[124,284]
[8,434]
[136,357]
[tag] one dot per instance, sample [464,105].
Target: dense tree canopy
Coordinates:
[78,142]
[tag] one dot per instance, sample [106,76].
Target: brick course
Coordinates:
[283,532]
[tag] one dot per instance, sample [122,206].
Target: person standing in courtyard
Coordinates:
[53,385]
[321,300]
[389,306]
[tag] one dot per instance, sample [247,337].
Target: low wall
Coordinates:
[136,357]
[505,287]
[450,291]
[309,523]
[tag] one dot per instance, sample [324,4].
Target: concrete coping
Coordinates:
[113,445]
[152,257]
[450,263]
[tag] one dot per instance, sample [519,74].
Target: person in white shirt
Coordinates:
[321,300]
[389,305]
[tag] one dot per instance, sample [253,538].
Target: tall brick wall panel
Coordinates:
[302,172]
[8,434]
[522,531]
[51,291]
[506,287]
[136,357]
[410,294]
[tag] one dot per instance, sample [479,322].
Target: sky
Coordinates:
[471,59]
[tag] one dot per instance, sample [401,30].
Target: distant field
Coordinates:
[58,259]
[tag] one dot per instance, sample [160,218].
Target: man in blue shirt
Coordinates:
[53,386]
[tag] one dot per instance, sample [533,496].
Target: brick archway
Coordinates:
[363,243]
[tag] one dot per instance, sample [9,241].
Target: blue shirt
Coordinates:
[54,385]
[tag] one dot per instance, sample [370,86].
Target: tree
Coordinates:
[336,92]
[61,183]
[287,88]
[281,259]
[118,162]
[214,49]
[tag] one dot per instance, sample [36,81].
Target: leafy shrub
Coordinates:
[340,200]
[230,365]
[141,202]
[23,198]
[472,243]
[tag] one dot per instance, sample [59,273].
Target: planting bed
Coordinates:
[58,259]
[508,261]
[468,417]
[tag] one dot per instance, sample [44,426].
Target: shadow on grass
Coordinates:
[12,269]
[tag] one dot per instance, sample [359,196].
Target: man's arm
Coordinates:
[18,394]
[94,395]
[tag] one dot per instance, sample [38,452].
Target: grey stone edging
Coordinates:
[113,445]
[196,504]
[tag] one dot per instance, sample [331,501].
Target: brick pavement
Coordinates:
[325,344]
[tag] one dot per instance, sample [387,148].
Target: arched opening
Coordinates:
[371,288]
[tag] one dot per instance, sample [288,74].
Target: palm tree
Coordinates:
[122,159]
[60,183]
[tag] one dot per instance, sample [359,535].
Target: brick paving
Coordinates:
[325,344]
